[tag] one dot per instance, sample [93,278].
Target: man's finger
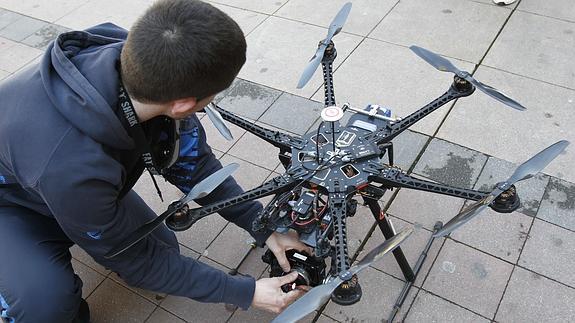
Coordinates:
[291,296]
[282,261]
[290,278]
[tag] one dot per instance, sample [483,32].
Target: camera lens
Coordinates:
[302,279]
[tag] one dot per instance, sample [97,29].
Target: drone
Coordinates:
[328,169]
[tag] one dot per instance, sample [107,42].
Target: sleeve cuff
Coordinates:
[240,291]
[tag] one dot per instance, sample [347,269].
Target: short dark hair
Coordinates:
[180,49]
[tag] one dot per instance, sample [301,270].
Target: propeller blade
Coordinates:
[334,29]
[538,162]
[318,295]
[218,121]
[445,65]
[526,170]
[201,189]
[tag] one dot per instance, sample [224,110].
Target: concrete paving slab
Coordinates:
[248,20]
[562,9]
[80,255]
[488,126]
[193,311]
[460,29]
[424,207]
[358,227]
[406,148]
[395,78]
[44,36]
[7,17]
[4,74]
[250,175]
[292,113]
[253,265]
[412,249]
[534,298]
[249,100]
[379,294]
[363,17]
[230,247]
[430,308]
[469,278]
[530,191]
[549,252]
[216,140]
[203,233]
[94,12]
[257,315]
[254,150]
[451,164]
[91,279]
[125,306]
[48,11]
[14,56]
[280,49]
[558,204]
[263,6]
[161,315]
[22,28]
[499,234]
[544,46]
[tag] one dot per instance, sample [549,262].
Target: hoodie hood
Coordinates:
[80,76]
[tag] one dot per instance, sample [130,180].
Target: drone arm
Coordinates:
[393,177]
[273,186]
[456,91]
[281,140]
[338,208]
[327,67]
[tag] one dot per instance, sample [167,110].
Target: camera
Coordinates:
[310,269]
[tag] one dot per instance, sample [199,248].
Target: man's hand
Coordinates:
[279,243]
[270,297]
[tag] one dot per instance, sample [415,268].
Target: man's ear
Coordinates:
[182,107]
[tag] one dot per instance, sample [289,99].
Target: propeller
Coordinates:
[218,121]
[526,170]
[318,295]
[334,29]
[200,190]
[444,65]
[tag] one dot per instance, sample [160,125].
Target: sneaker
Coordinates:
[83,315]
[503,2]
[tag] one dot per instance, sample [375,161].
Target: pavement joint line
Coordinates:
[528,77]
[550,17]
[458,305]
[547,277]
[236,7]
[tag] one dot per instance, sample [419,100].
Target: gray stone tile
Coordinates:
[248,99]
[394,78]
[428,209]
[4,74]
[14,56]
[499,234]
[533,298]
[530,191]
[364,15]
[230,246]
[151,296]
[248,175]
[279,50]
[81,255]
[549,251]
[91,279]
[248,20]
[22,28]
[113,303]
[7,17]
[406,147]
[48,11]
[558,204]
[545,46]
[379,294]
[42,37]
[461,29]
[264,6]
[451,164]
[94,12]
[562,9]
[193,311]
[216,140]
[412,249]
[257,315]
[325,319]
[292,113]
[163,316]
[145,188]
[430,308]
[358,227]
[255,150]
[253,265]
[488,126]
[468,278]
[201,234]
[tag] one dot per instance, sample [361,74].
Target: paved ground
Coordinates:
[509,268]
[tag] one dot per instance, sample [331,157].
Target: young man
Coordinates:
[69,156]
